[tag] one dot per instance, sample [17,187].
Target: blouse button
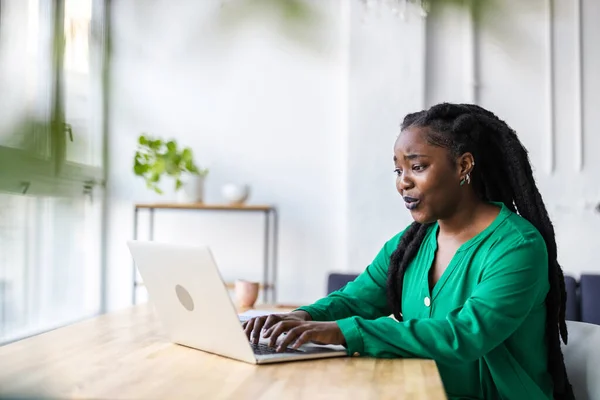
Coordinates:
[356,354]
[427,301]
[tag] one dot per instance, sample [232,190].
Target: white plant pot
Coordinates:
[234,193]
[192,190]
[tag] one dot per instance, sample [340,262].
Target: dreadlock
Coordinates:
[503,174]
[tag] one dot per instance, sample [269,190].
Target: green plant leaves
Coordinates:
[159,166]
[189,165]
[172,167]
[139,168]
[187,155]
[154,177]
[155,144]
[155,157]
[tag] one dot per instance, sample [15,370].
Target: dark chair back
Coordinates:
[336,281]
[572,311]
[589,293]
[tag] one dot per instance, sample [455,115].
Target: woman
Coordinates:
[470,283]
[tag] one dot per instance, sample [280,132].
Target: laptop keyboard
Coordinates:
[263,349]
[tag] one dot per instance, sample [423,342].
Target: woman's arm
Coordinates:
[512,284]
[364,297]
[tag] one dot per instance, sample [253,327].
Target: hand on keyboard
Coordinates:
[301,332]
[255,326]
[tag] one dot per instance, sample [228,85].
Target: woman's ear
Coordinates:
[466,162]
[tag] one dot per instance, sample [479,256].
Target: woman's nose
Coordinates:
[404,182]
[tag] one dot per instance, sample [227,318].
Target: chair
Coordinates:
[583,298]
[582,359]
[589,297]
[573,307]
[336,281]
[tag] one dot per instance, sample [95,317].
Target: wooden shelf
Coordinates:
[204,206]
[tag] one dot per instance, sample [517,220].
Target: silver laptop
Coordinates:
[194,306]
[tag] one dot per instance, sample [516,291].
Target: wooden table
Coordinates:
[124,355]
[270,240]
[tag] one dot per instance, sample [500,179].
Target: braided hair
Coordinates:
[503,174]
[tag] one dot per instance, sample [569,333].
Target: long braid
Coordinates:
[539,218]
[535,212]
[504,174]
[404,253]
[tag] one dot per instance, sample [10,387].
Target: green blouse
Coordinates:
[483,323]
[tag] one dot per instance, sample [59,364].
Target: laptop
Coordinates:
[195,309]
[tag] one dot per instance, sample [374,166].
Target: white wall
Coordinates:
[530,79]
[313,132]
[386,81]
[502,61]
[257,109]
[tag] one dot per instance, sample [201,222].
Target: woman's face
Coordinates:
[427,178]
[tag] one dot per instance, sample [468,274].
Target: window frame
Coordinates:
[34,174]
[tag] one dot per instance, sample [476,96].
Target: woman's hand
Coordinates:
[301,332]
[254,326]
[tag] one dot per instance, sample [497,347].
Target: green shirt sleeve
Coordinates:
[364,297]
[513,281]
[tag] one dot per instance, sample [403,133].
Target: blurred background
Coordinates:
[297,101]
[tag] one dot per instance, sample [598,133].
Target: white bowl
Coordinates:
[235,193]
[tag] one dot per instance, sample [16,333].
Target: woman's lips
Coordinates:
[411,203]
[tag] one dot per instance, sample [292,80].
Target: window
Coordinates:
[50,270]
[51,108]
[52,122]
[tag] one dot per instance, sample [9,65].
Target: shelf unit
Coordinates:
[271,233]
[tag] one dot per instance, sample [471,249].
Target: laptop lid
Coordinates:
[190,297]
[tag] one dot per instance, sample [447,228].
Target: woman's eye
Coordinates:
[418,168]
[398,171]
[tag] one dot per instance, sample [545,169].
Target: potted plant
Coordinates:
[156,158]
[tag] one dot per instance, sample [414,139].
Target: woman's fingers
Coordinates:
[271,321]
[280,328]
[291,336]
[258,326]
[248,326]
[305,337]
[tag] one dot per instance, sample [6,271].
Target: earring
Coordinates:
[466,179]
